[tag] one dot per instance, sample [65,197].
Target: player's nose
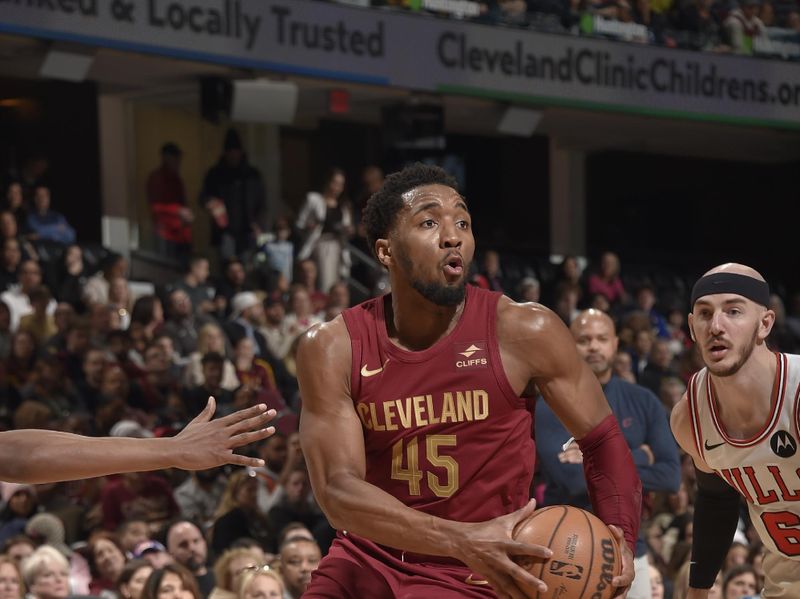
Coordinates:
[449,236]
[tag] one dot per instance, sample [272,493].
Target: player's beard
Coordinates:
[744,355]
[433,291]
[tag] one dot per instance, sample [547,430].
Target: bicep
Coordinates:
[330,430]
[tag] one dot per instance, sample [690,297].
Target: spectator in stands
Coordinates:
[296,504]
[642,421]
[39,323]
[132,579]
[261,583]
[140,495]
[566,303]
[338,300]
[511,12]
[18,548]
[301,316]
[46,224]
[20,504]
[187,545]
[490,276]
[46,574]
[172,581]
[46,385]
[160,389]
[640,351]
[233,282]
[530,290]
[646,302]
[10,230]
[607,281]
[32,175]
[238,514]
[195,284]
[107,560]
[671,391]
[742,25]
[172,218]
[739,582]
[326,220]
[18,299]
[132,532]
[279,249]
[72,277]
[199,495]
[257,374]
[11,260]
[781,338]
[659,366]
[6,335]
[96,289]
[11,585]
[120,301]
[210,339]
[273,451]
[21,359]
[182,324]
[89,386]
[274,329]
[299,558]
[701,23]
[229,569]
[307,277]
[195,398]
[233,192]
[15,204]
[148,314]
[154,553]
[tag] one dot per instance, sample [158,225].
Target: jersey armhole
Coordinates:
[497,362]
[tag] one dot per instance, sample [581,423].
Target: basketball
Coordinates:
[586,556]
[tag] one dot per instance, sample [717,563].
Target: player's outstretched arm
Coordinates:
[333,444]
[716,513]
[536,346]
[36,456]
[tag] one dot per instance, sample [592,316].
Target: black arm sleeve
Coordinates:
[716,515]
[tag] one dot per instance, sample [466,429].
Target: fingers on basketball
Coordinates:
[586,554]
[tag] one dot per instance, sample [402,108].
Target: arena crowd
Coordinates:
[85,349]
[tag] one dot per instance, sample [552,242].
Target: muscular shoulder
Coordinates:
[525,321]
[327,341]
[535,338]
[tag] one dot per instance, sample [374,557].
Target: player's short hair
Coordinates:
[382,208]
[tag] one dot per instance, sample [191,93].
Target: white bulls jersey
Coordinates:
[764,469]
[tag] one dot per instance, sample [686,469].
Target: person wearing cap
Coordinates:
[172,219]
[154,553]
[739,422]
[233,192]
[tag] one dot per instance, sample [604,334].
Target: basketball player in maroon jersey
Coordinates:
[37,456]
[414,421]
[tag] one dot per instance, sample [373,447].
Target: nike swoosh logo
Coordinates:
[476,583]
[366,372]
[710,447]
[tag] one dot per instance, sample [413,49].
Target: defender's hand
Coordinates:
[488,547]
[206,443]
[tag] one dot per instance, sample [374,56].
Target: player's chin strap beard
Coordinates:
[727,282]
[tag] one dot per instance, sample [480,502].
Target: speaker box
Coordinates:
[263,101]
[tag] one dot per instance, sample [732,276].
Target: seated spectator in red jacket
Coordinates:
[141,495]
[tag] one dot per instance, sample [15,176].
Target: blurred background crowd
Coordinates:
[85,349]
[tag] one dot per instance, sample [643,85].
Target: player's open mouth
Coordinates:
[718,350]
[453,266]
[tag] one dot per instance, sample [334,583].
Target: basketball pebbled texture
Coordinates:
[586,556]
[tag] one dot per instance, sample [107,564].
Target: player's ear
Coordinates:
[383,251]
[691,327]
[767,322]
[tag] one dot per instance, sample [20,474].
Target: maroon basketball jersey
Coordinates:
[444,431]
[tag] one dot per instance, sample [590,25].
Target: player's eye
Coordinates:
[428,223]
[463,224]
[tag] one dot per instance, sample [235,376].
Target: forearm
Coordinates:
[611,478]
[357,506]
[36,456]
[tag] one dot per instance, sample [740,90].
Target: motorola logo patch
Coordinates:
[783,444]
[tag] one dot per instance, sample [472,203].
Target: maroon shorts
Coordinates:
[356,568]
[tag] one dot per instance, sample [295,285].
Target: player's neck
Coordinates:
[415,323]
[747,394]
